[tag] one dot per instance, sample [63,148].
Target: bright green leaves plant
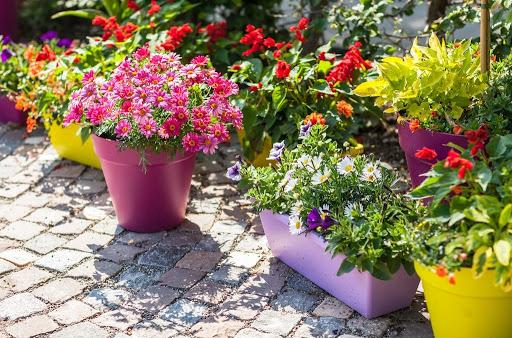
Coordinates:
[433,78]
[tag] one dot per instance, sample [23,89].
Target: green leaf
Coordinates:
[278,97]
[84,134]
[322,86]
[479,216]
[479,261]
[505,216]
[381,271]
[483,175]
[502,250]
[256,69]
[345,267]
[87,13]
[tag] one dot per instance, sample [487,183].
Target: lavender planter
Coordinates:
[412,142]
[9,18]
[367,295]
[8,112]
[149,201]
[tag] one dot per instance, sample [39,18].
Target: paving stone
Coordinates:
[181,238]
[252,333]
[93,174]
[67,170]
[161,256]
[135,238]
[81,330]
[263,284]
[120,253]
[87,187]
[54,186]
[184,312]
[216,327]
[256,226]
[71,204]
[205,206]
[18,256]
[216,242]
[4,293]
[96,213]
[153,298]
[199,260]
[44,243]
[139,277]
[323,327]
[244,306]
[7,171]
[229,226]
[47,216]
[32,199]
[276,322]
[108,226]
[301,283]
[120,319]
[20,305]
[243,259]
[229,274]
[369,327]
[208,292]
[6,266]
[198,222]
[416,330]
[331,307]
[106,298]
[32,326]
[89,241]
[21,230]
[61,260]
[218,178]
[223,190]
[71,227]
[12,212]
[72,311]
[13,190]
[25,279]
[59,290]
[7,243]
[235,211]
[181,278]
[97,270]
[155,328]
[253,243]
[295,301]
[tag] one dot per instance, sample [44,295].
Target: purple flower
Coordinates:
[276,152]
[6,40]
[50,35]
[319,218]
[64,42]
[234,173]
[6,55]
[305,130]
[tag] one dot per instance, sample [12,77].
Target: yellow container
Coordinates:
[472,308]
[68,145]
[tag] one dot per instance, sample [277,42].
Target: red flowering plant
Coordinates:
[284,89]
[469,221]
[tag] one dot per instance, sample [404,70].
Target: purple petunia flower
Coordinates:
[64,42]
[6,40]
[234,173]
[319,218]
[6,55]
[305,130]
[276,152]
[50,35]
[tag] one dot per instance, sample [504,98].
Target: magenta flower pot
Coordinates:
[149,201]
[361,291]
[9,18]
[412,142]
[8,112]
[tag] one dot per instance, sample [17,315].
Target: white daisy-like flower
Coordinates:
[371,172]
[350,208]
[304,161]
[290,185]
[316,163]
[295,225]
[296,209]
[345,166]
[287,177]
[321,177]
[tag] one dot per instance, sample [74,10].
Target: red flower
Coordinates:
[46,54]
[414,124]
[215,30]
[477,138]
[451,278]
[314,118]
[321,56]
[457,130]
[269,42]
[441,271]
[456,189]
[236,67]
[344,70]
[254,38]
[426,154]
[303,24]
[154,8]
[455,161]
[99,21]
[277,54]
[176,36]
[131,4]
[282,69]
[256,87]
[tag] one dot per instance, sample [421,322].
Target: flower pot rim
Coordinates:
[406,123]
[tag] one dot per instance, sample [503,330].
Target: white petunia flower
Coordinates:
[321,177]
[295,225]
[345,166]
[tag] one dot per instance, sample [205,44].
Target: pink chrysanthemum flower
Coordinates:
[200,60]
[147,126]
[209,144]
[170,128]
[123,128]
[191,143]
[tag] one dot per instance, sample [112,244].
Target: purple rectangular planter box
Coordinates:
[8,112]
[369,296]
[9,18]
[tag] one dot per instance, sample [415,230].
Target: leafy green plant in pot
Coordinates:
[432,90]
[463,246]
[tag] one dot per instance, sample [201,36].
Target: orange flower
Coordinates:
[451,278]
[441,271]
[457,130]
[414,124]
[456,189]
[31,123]
[344,108]
[315,118]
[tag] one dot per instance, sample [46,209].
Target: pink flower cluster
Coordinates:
[154,97]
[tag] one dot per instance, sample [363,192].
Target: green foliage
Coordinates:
[473,227]
[372,222]
[436,78]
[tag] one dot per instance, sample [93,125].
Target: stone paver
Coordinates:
[67,269]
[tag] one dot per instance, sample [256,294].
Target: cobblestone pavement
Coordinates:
[68,271]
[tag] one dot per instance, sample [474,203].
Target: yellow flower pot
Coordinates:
[472,308]
[69,145]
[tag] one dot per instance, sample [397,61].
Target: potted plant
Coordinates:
[336,220]
[432,90]
[283,88]
[149,117]
[464,243]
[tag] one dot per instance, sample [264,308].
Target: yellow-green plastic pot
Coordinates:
[471,308]
[69,145]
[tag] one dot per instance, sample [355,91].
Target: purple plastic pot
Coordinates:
[8,112]
[9,18]
[369,296]
[149,201]
[412,142]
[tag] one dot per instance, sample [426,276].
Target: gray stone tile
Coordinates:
[61,260]
[184,312]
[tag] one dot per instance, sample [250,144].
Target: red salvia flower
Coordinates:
[131,4]
[282,69]
[154,8]
[426,154]
[176,36]
[344,70]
